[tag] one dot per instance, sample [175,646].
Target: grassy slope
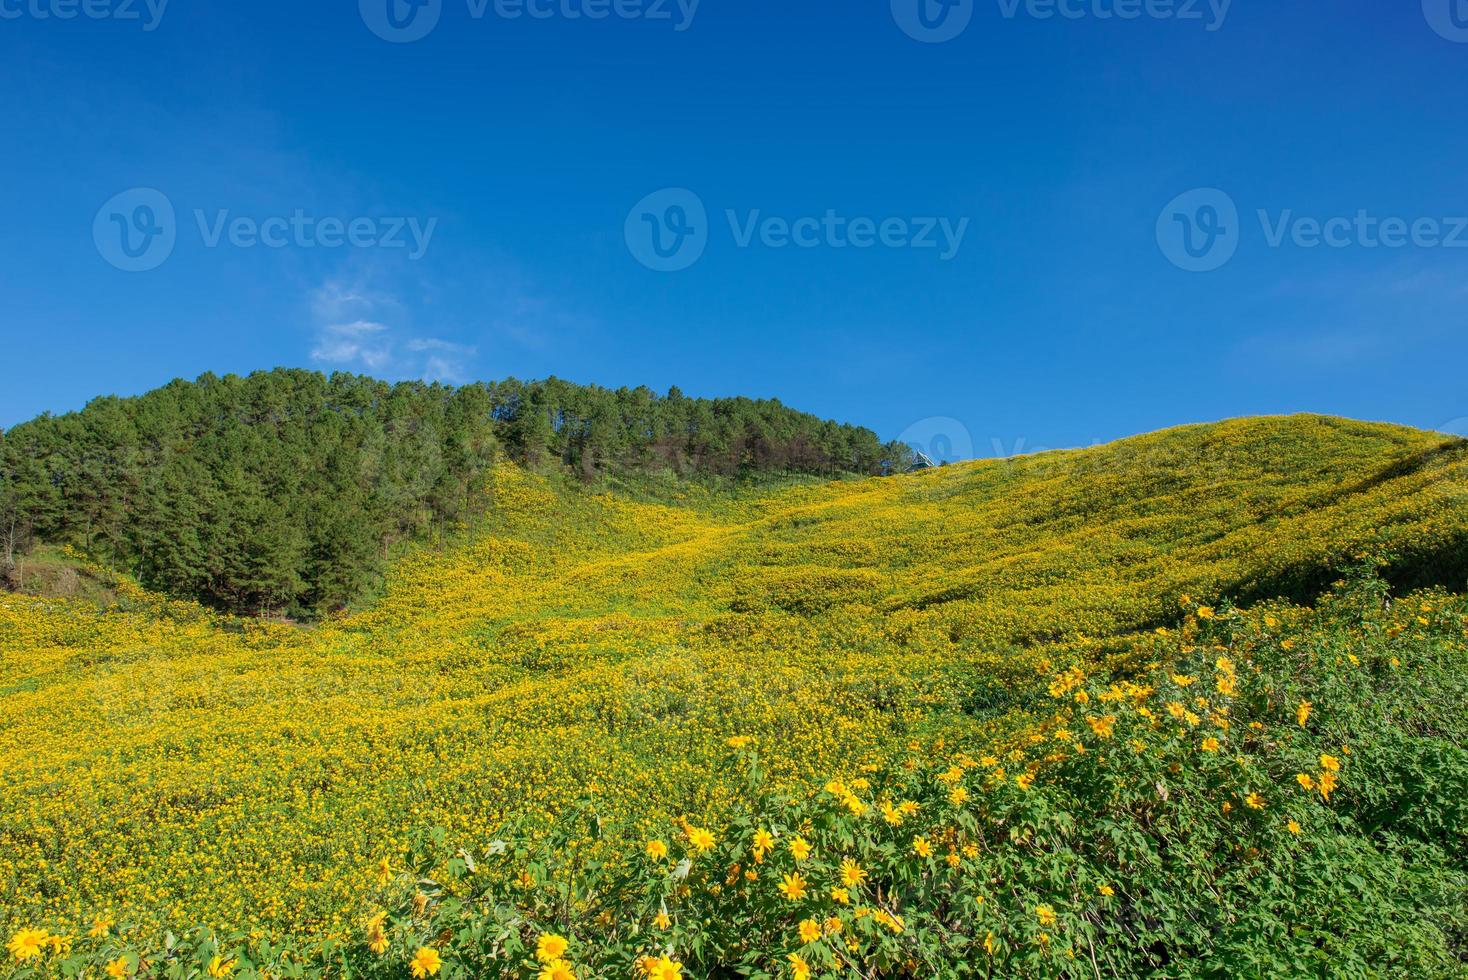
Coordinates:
[163,762]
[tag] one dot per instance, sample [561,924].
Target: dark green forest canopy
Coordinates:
[286,490]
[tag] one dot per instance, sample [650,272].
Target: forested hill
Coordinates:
[284,491]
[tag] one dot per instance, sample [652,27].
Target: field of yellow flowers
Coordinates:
[996,719]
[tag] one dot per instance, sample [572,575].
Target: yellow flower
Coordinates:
[1205,612]
[1024,780]
[661,920]
[799,969]
[799,849]
[1045,914]
[657,850]
[1330,763]
[834,926]
[376,935]
[959,796]
[117,969]
[764,842]
[1327,784]
[550,947]
[26,944]
[792,886]
[852,874]
[702,840]
[384,871]
[1183,680]
[739,741]
[989,944]
[922,848]
[662,969]
[557,970]
[1210,744]
[1293,826]
[810,930]
[841,896]
[101,926]
[1102,726]
[220,967]
[1106,891]
[425,963]
[1255,801]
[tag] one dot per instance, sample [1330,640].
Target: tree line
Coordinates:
[285,491]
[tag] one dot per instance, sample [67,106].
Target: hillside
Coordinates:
[165,764]
[288,492]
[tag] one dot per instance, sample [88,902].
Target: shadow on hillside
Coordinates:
[1410,466]
[1445,566]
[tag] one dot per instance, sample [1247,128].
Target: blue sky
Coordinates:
[524,150]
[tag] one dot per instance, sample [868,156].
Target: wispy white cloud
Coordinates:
[362,342]
[351,334]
